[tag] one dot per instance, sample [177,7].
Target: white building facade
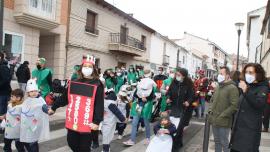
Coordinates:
[163,52]
[212,55]
[254,38]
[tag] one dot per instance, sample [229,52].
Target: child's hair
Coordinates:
[17,93]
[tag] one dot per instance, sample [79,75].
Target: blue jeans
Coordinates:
[135,122]
[3,104]
[221,138]
[202,106]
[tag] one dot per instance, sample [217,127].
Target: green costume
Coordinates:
[132,78]
[74,76]
[146,111]
[120,82]
[109,83]
[43,77]
[165,85]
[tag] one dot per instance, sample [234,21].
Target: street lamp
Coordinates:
[239,26]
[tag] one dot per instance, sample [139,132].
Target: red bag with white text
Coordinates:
[80,109]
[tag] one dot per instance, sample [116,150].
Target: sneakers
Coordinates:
[120,137]
[129,143]
[147,141]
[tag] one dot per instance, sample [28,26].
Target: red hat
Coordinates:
[89,59]
[201,72]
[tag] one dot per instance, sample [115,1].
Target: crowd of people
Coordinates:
[237,104]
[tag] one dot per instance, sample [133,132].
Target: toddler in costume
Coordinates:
[34,118]
[12,121]
[164,130]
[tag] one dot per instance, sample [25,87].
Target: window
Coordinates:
[97,64]
[143,40]
[91,22]
[13,45]
[44,8]
[164,48]
[184,59]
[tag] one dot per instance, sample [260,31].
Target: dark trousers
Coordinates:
[94,135]
[266,116]
[234,150]
[120,127]
[178,138]
[31,147]
[18,144]
[79,142]
[3,104]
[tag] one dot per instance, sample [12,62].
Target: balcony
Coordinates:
[125,44]
[166,60]
[36,13]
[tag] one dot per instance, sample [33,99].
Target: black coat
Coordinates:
[5,79]
[246,133]
[23,73]
[179,93]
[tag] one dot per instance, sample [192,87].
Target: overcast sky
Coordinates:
[212,19]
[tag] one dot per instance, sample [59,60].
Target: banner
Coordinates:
[80,109]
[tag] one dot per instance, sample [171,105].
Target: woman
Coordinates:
[120,80]
[246,133]
[142,107]
[131,76]
[180,98]
[79,134]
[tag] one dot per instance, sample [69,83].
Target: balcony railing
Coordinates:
[127,40]
[43,8]
[92,30]
[166,60]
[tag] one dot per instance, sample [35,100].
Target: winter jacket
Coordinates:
[99,100]
[178,93]
[223,105]
[5,79]
[246,133]
[171,128]
[23,73]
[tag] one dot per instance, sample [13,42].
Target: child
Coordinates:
[164,131]
[111,113]
[34,120]
[12,119]
[123,106]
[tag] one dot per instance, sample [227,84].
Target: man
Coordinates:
[43,76]
[23,75]
[159,78]
[110,79]
[200,86]
[5,88]
[223,105]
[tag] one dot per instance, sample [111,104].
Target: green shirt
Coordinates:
[42,77]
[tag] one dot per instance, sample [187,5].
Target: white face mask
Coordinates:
[249,78]
[159,72]
[119,74]
[221,78]
[180,79]
[172,75]
[86,71]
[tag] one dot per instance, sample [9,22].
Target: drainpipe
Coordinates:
[177,59]
[67,35]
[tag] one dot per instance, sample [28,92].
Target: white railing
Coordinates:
[43,8]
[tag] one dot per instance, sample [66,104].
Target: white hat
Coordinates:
[31,85]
